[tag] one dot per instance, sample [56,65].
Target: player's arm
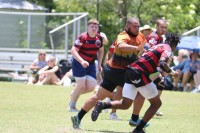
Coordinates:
[100,57]
[127,47]
[74,52]
[165,67]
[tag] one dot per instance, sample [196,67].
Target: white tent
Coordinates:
[20,5]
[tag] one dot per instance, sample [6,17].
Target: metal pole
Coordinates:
[86,19]
[66,42]
[198,32]
[52,44]
[74,30]
[29,31]
[78,27]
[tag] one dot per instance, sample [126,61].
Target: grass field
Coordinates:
[43,109]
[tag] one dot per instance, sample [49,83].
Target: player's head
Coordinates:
[161,26]
[132,26]
[93,27]
[172,39]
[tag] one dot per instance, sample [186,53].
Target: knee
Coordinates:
[95,98]
[159,103]
[126,104]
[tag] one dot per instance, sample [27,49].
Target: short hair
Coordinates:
[131,20]
[172,39]
[93,21]
[158,21]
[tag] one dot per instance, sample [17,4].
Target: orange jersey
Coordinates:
[121,59]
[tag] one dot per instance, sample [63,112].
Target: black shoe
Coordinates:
[180,88]
[97,109]
[141,131]
[175,88]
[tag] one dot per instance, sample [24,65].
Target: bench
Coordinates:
[15,60]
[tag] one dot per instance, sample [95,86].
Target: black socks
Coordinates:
[135,117]
[81,113]
[141,125]
[106,105]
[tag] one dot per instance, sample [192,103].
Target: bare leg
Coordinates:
[185,79]
[100,95]
[176,80]
[155,104]
[124,104]
[138,103]
[117,96]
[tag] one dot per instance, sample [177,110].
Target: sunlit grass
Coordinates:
[43,109]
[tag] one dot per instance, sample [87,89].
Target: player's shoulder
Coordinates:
[83,35]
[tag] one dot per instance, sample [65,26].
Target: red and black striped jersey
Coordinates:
[149,61]
[154,39]
[112,48]
[88,46]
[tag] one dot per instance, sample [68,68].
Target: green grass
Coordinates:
[43,109]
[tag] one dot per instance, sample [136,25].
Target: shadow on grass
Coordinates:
[105,131]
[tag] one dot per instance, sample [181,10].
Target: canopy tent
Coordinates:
[20,5]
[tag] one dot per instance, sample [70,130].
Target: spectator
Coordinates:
[66,79]
[186,70]
[196,80]
[146,30]
[182,55]
[49,74]
[36,65]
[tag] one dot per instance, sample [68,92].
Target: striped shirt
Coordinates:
[154,39]
[88,46]
[149,61]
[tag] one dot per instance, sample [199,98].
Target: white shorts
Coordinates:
[148,91]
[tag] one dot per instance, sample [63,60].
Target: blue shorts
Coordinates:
[79,71]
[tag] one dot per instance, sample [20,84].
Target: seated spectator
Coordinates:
[66,79]
[186,70]
[197,81]
[182,55]
[49,74]
[36,65]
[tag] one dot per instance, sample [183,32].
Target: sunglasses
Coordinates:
[50,61]
[43,54]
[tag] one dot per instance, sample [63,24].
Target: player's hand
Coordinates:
[141,47]
[84,63]
[175,74]
[99,68]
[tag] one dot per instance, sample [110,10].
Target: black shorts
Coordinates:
[113,77]
[137,78]
[159,82]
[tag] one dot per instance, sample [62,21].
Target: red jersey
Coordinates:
[112,48]
[149,61]
[88,46]
[154,39]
